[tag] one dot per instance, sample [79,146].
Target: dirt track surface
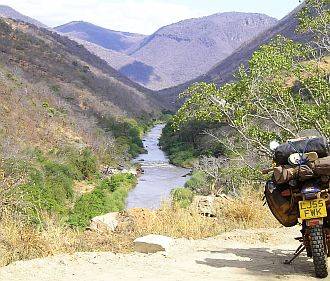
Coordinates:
[239,255]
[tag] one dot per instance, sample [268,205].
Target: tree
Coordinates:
[282,92]
[315,18]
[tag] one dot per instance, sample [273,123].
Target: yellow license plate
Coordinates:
[312,209]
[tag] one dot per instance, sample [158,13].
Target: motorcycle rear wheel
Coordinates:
[319,252]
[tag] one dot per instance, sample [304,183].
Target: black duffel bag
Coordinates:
[318,145]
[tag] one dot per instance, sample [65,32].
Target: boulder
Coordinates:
[207,205]
[107,222]
[152,243]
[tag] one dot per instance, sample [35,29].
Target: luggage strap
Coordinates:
[304,160]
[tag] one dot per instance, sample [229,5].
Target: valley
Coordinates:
[109,137]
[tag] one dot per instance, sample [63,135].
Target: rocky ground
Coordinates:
[239,255]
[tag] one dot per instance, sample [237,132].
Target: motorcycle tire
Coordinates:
[319,252]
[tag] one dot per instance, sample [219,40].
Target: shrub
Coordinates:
[88,206]
[182,196]
[198,182]
[127,133]
[50,187]
[183,158]
[109,196]
[85,163]
[5,28]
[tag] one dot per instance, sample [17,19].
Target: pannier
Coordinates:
[318,145]
[319,167]
[322,166]
[281,207]
[283,174]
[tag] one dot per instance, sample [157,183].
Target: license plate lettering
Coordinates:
[312,209]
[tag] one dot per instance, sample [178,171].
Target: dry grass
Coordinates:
[245,212]
[172,221]
[19,241]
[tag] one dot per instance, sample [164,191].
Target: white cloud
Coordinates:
[143,16]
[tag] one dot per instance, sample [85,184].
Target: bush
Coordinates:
[198,182]
[109,196]
[85,163]
[183,197]
[51,176]
[183,158]
[50,187]
[5,28]
[88,206]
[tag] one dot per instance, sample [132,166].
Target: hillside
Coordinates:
[8,12]
[178,52]
[56,86]
[224,70]
[106,38]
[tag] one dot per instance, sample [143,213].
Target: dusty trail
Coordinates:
[239,255]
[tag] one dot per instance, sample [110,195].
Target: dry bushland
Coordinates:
[19,240]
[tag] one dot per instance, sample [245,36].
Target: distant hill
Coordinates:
[189,48]
[8,12]
[135,70]
[106,38]
[223,71]
[175,53]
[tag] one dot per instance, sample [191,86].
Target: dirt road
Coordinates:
[239,255]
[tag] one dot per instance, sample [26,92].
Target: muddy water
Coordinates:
[159,176]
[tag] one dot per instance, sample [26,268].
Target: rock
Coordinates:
[206,205]
[152,243]
[105,223]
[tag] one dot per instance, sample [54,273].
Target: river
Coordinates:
[159,178]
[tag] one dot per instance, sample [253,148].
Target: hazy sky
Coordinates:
[142,16]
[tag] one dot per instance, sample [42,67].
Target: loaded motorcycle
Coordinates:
[298,193]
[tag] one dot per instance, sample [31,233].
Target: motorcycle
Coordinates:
[303,198]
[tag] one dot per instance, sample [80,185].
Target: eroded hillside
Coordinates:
[53,91]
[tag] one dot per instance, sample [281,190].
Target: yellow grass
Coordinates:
[19,240]
[245,212]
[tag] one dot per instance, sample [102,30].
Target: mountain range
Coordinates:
[175,53]
[206,49]
[8,12]
[224,70]
[106,38]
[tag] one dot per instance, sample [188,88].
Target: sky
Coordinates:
[140,16]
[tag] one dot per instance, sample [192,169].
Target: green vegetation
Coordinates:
[128,133]
[184,146]
[263,93]
[50,186]
[50,182]
[197,182]
[182,197]
[109,196]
